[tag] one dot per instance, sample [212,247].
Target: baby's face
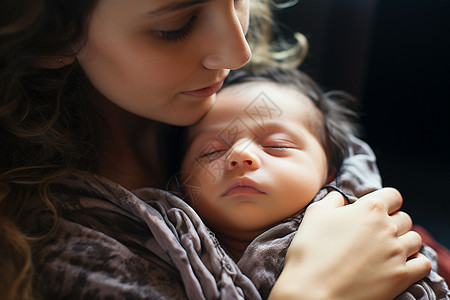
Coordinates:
[253,160]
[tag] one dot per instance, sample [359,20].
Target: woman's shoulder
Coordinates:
[99,248]
[83,263]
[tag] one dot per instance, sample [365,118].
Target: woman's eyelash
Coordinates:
[179,34]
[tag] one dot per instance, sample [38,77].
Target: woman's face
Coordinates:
[164,59]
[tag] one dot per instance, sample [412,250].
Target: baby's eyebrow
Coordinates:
[173,6]
[278,126]
[209,132]
[213,130]
[296,132]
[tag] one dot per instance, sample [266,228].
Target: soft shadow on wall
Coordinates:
[394,55]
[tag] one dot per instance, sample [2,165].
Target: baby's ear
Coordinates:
[331,175]
[53,62]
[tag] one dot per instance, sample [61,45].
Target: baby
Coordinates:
[262,153]
[269,146]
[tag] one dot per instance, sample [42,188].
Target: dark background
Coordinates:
[394,56]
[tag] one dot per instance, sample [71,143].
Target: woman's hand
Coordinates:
[360,251]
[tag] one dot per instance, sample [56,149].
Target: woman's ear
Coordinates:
[53,62]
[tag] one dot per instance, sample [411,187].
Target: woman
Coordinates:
[83,83]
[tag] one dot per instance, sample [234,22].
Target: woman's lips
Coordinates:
[205,92]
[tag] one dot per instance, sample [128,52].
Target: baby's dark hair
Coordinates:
[337,108]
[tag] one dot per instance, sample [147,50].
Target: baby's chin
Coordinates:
[242,231]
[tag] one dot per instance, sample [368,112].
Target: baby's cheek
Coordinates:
[211,171]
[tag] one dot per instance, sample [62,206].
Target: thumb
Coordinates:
[333,199]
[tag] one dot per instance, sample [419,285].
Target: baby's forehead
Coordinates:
[261,84]
[263,90]
[256,103]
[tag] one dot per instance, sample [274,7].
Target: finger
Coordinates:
[418,267]
[403,222]
[332,200]
[411,242]
[388,199]
[394,199]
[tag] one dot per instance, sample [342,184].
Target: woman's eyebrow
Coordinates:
[173,6]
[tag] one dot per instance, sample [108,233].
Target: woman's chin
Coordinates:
[191,115]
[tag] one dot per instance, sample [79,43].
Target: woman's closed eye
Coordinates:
[178,34]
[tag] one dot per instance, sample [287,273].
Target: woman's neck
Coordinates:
[127,148]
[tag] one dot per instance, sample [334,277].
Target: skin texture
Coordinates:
[383,273]
[149,57]
[271,169]
[156,60]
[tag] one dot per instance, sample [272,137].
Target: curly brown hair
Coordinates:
[267,52]
[45,128]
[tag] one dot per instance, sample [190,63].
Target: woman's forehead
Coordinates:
[167,6]
[148,8]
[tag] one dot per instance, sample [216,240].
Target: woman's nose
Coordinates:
[243,156]
[228,48]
